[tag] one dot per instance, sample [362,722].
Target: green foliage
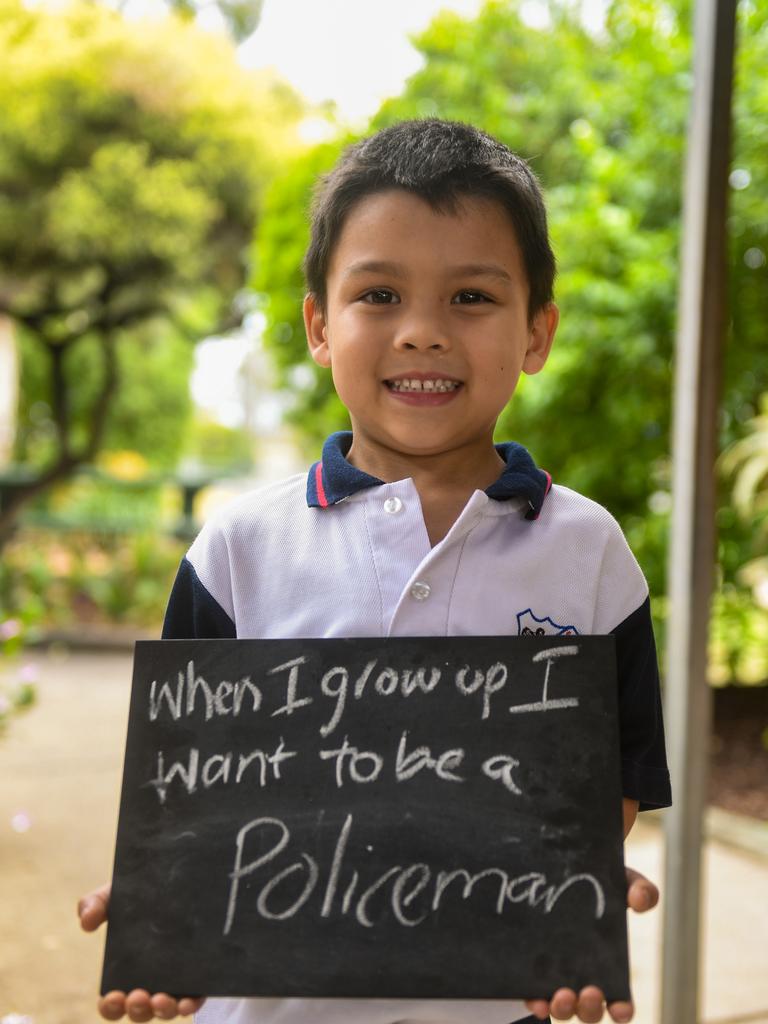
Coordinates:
[76,578]
[103,506]
[214,447]
[132,158]
[745,463]
[240,16]
[739,639]
[602,118]
[277,277]
[150,412]
[125,146]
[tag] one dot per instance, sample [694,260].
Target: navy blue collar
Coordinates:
[333,478]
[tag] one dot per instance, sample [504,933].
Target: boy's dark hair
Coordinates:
[441,162]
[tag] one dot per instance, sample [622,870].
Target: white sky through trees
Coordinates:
[354,52]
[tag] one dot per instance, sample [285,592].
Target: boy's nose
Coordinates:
[421,334]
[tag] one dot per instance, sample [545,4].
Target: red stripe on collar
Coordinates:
[319,485]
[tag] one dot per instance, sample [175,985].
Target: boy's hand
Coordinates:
[589,1004]
[138,1005]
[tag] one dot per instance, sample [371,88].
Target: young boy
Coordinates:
[430,281]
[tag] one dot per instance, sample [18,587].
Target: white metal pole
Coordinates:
[701,327]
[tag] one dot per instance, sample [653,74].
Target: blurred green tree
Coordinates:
[240,17]
[601,115]
[745,462]
[132,157]
[278,278]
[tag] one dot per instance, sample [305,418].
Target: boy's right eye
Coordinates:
[379,297]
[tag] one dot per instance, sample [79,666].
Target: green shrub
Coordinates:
[64,579]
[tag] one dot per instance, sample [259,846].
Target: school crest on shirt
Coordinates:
[529,624]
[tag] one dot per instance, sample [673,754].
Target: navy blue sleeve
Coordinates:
[192,613]
[645,776]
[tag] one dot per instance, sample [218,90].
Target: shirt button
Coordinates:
[393,506]
[420,591]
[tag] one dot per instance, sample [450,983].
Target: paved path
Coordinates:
[60,775]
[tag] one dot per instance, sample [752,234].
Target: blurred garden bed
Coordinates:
[94,558]
[81,587]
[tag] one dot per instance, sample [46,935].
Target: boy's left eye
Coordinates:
[379,297]
[469,297]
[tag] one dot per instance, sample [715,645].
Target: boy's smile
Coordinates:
[426,329]
[424,388]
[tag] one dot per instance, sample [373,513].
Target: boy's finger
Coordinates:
[563,1004]
[189,1005]
[538,1007]
[91,915]
[642,894]
[138,1006]
[590,1005]
[164,1006]
[92,909]
[621,1012]
[112,1005]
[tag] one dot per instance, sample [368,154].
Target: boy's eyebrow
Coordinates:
[482,270]
[398,270]
[375,267]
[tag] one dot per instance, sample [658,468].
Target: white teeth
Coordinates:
[423,385]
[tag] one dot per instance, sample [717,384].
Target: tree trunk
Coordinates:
[9,390]
[14,497]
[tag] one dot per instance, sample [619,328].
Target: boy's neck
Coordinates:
[444,481]
[464,469]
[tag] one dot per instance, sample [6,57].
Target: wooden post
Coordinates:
[701,328]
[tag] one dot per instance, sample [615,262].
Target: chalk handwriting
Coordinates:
[193,772]
[545,704]
[362,765]
[409,764]
[409,892]
[226,699]
[218,768]
[500,768]
[191,693]
[387,681]
[292,703]
[491,682]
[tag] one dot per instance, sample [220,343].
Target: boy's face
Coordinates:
[426,323]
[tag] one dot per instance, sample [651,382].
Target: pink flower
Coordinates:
[21,822]
[8,630]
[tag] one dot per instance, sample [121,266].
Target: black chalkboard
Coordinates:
[427,817]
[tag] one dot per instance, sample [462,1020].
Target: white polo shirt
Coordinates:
[341,554]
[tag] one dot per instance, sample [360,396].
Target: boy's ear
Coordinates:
[541,334]
[317,334]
